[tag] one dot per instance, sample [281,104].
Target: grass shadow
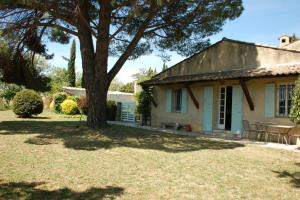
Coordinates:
[32,191]
[75,135]
[294,177]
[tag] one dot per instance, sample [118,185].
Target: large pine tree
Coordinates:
[126,29]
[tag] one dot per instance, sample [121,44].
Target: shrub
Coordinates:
[2,104]
[58,98]
[27,103]
[74,98]
[8,91]
[83,105]
[69,107]
[51,107]
[111,110]
[144,105]
[295,108]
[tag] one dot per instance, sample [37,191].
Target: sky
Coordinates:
[262,21]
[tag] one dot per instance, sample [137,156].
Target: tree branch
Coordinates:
[130,48]
[62,28]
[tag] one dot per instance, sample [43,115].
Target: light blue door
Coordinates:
[270,100]
[237,109]
[128,112]
[207,109]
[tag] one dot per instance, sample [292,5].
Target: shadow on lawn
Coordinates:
[26,190]
[76,135]
[294,177]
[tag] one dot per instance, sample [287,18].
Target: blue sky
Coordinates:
[262,21]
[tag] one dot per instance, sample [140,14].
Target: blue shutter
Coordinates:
[168,100]
[184,101]
[270,100]
[237,109]
[207,109]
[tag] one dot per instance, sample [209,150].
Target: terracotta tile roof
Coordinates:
[258,72]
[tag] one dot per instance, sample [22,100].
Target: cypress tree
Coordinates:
[164,67]
[71,65]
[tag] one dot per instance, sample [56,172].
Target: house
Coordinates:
[230,81]
[126,102]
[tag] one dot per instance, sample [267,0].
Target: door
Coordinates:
[222,108]
[207,109]
[225,108]
[127,112]
[237,109]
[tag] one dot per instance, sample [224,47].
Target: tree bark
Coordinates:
[96,83]
[97,79]
[97,107]
[95,65]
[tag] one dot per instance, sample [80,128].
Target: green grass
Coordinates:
[54,157]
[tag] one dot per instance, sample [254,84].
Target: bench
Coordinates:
[176,126]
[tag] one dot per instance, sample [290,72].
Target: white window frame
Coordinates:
[222,126]
[286,113]
[174,100]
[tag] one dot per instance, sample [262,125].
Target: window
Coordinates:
[285,95]
[177,100]
[222,106]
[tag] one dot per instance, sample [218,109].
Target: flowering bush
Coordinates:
[69,107]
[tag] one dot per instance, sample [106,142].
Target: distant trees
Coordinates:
[144,74]
[128,87]
[59,78]
[117,85]
[71,65]
[164,67]
[294,38]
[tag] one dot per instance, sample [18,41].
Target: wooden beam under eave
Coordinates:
[196,103]
[247,94]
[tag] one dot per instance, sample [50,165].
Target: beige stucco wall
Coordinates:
[194,116]
[293,46]
[228,55]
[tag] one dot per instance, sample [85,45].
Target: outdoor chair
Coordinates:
[248,130]
[271,132]
[262,131]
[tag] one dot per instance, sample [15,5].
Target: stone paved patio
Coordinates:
[217,136]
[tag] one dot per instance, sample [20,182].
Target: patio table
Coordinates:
[285,130]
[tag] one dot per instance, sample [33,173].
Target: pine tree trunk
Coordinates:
[96,83]
[97,107]
[94,64]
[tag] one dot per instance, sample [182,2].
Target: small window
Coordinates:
[177,100]
[283,40]
[285,95]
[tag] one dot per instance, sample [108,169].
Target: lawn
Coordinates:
[54,157]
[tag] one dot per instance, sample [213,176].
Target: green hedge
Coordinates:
[27,103]
[58,98]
